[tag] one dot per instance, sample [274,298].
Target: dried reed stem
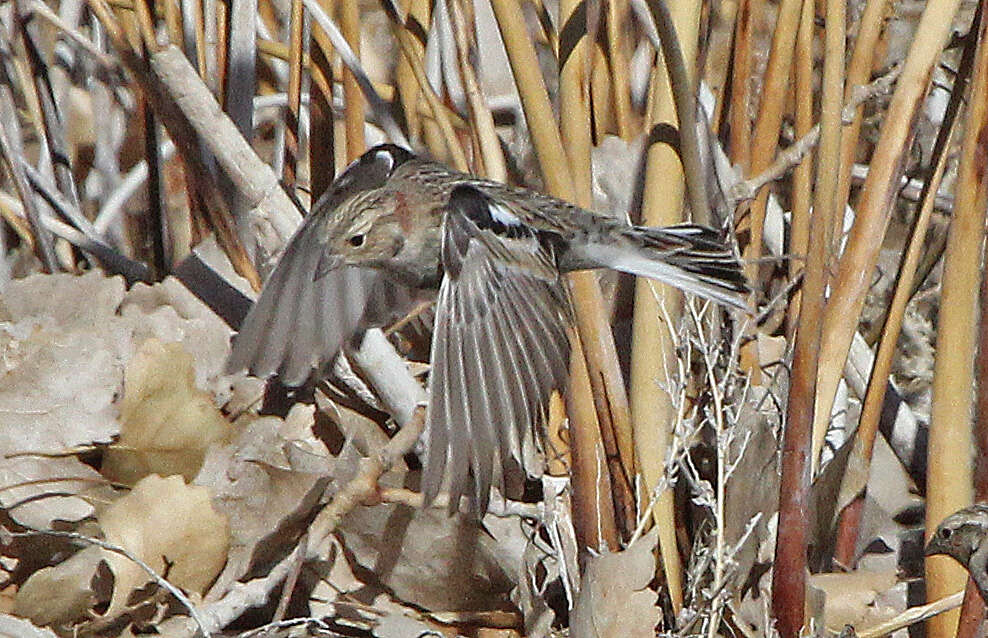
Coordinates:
[790,567]
[949,484]
[657,312]
[854,273]
[353,99]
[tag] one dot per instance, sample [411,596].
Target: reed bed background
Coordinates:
[843,145]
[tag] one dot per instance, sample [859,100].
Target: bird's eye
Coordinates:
[356,241]
[945,533]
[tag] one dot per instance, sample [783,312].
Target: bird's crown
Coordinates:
[369,171]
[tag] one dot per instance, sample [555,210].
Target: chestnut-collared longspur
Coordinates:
[395,223]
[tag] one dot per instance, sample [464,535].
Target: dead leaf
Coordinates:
[167,424]
[20,628]
[61,369]
[268,480]
[426,558]
[65,341]
[62,593]
[169,312]
[167,524]
[851,597]
[615,599]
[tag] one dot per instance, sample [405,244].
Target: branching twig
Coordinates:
[364,485]
[498,506]
[794,154]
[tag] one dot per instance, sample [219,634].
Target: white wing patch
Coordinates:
[385,155]
[501,215]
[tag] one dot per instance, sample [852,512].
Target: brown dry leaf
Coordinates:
[615,599]
[165,523]
[268,480]
[753,487]
[60,371]
[59,594]
[851,597]
[167,424]
[66,340]
[770,349]
[430,560]
[168,311]
[20,628]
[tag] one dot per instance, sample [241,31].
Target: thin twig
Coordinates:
[155,576]
[83,236]
[364,485]
[313,625]
[103,60]
[914,615]
[794,154]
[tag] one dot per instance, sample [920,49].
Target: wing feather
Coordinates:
[302,318]
[500,347]
[484,441]
[301,352]
[517,383]
[437,449]
[505,405]
[459,424]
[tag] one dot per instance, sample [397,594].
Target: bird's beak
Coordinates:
[933,548]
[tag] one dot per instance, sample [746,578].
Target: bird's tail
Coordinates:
[692,258]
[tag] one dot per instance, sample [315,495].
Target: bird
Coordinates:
[395,227]
[962,537]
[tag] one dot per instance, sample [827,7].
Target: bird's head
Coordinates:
[960,534]
[359,210]
[376,214]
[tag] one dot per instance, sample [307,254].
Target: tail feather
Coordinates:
[692,258]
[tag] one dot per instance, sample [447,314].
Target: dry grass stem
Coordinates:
[874,399]
[793,155]
[914,615]
[657,312]
[408,49]
[546,141]
[825,193]
[766,134]
[353,100]
[613,436]
[853,276]
[798,458]
[859,69]
[480,114]
[799,233]
[294,120]
[949,469]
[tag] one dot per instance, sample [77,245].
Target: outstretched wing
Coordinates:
[499,348]
[311,303]
[308,307]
